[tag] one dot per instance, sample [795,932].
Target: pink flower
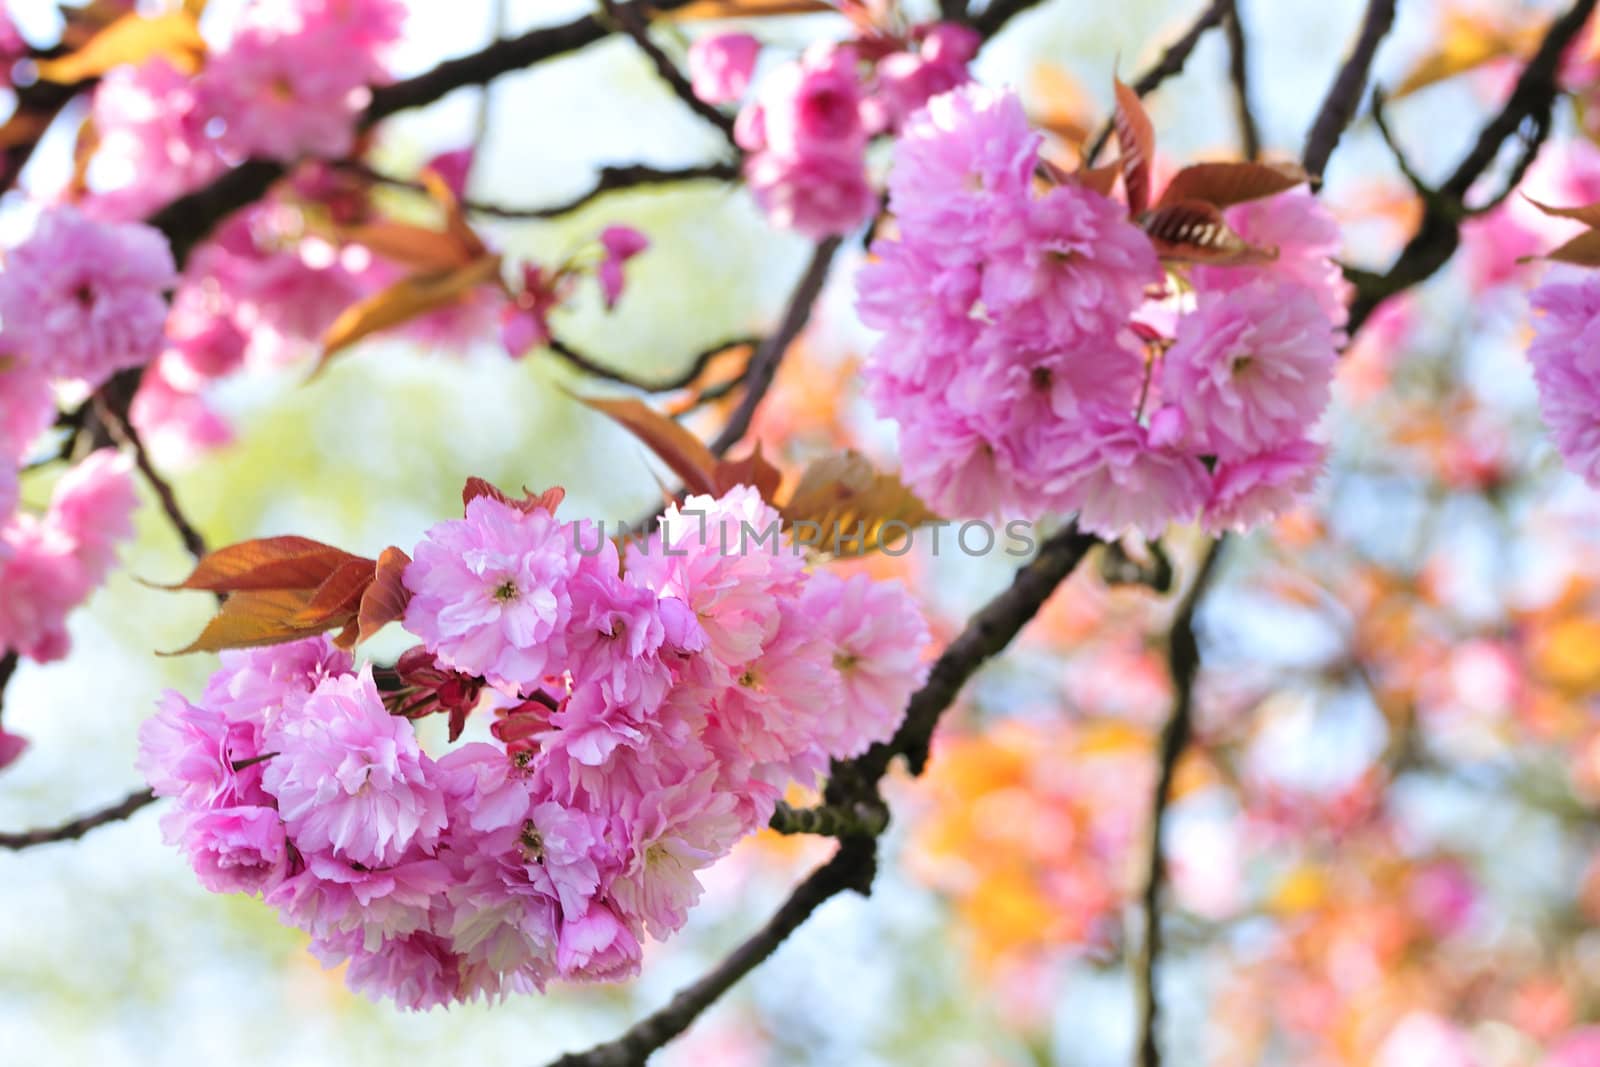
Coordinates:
[723,557]
[332,899]
[153,144]
[191,753]
[1077,267]
[720,65]
[963,167]
[12,746]
[1308,242]
[257,684]
[1251,368]
[598,947]
[454,166]
[232,850]
[285,95]
[818,195]
[621,243]
[1580,1048]
[904,81]
[84,299]
[175,424]
[674,831]
[877,636]
[27,404]
[490,593]
[349,777]
[418,970]
[92,506]
[1117,482]
[1566,368]
[1248,492]
[525,322]
[813,107]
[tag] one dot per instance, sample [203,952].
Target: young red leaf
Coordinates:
[1588,214]
[1226,184]
[1193,231]
[131,40]
[752,470]
[846,507]
[403,301]
[1583,251]
[1136,142]
[679,449]
[335,601]
[267,563]
[385,599]
[252,618]
[549,500]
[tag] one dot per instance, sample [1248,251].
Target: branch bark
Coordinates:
[1439,233]
[71,831]
[1183,660]
[1344,95]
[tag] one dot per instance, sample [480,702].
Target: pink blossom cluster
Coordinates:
[1038,359]
[289,82]
[650,706]
[50,563]
[808,127]
[1566,367]
[263,292]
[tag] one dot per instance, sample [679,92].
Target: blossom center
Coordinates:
[506,591]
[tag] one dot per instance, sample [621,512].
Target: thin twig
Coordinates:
[1169,65]
[852,868]
[8,667]
[681,380]
[122,431]
[1344,95]
[764,364]
[71,831]
[612,179]
[628,17]
[1439,233]
[1183,660]
[1239,76]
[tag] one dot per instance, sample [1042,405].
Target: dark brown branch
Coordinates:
[864,818]
[635,26]
[1170,64]
[122,431]
[764,364]
[1344,95]
[1183,660]
[1239,76]
[611,180]
[681,380]
[989,631]
[997,13]
[1439,234]
[851,868]
[71,831]
[8,667]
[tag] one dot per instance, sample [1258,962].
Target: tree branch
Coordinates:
[71,831]
[1170,64]
[633,24]
[612,179]
[1239,76]
[997,13]
[1344,95]
[852,867]
[764,364]
[1183,660]
[1439,234]
[121,429]
[589,365]
[826,820]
